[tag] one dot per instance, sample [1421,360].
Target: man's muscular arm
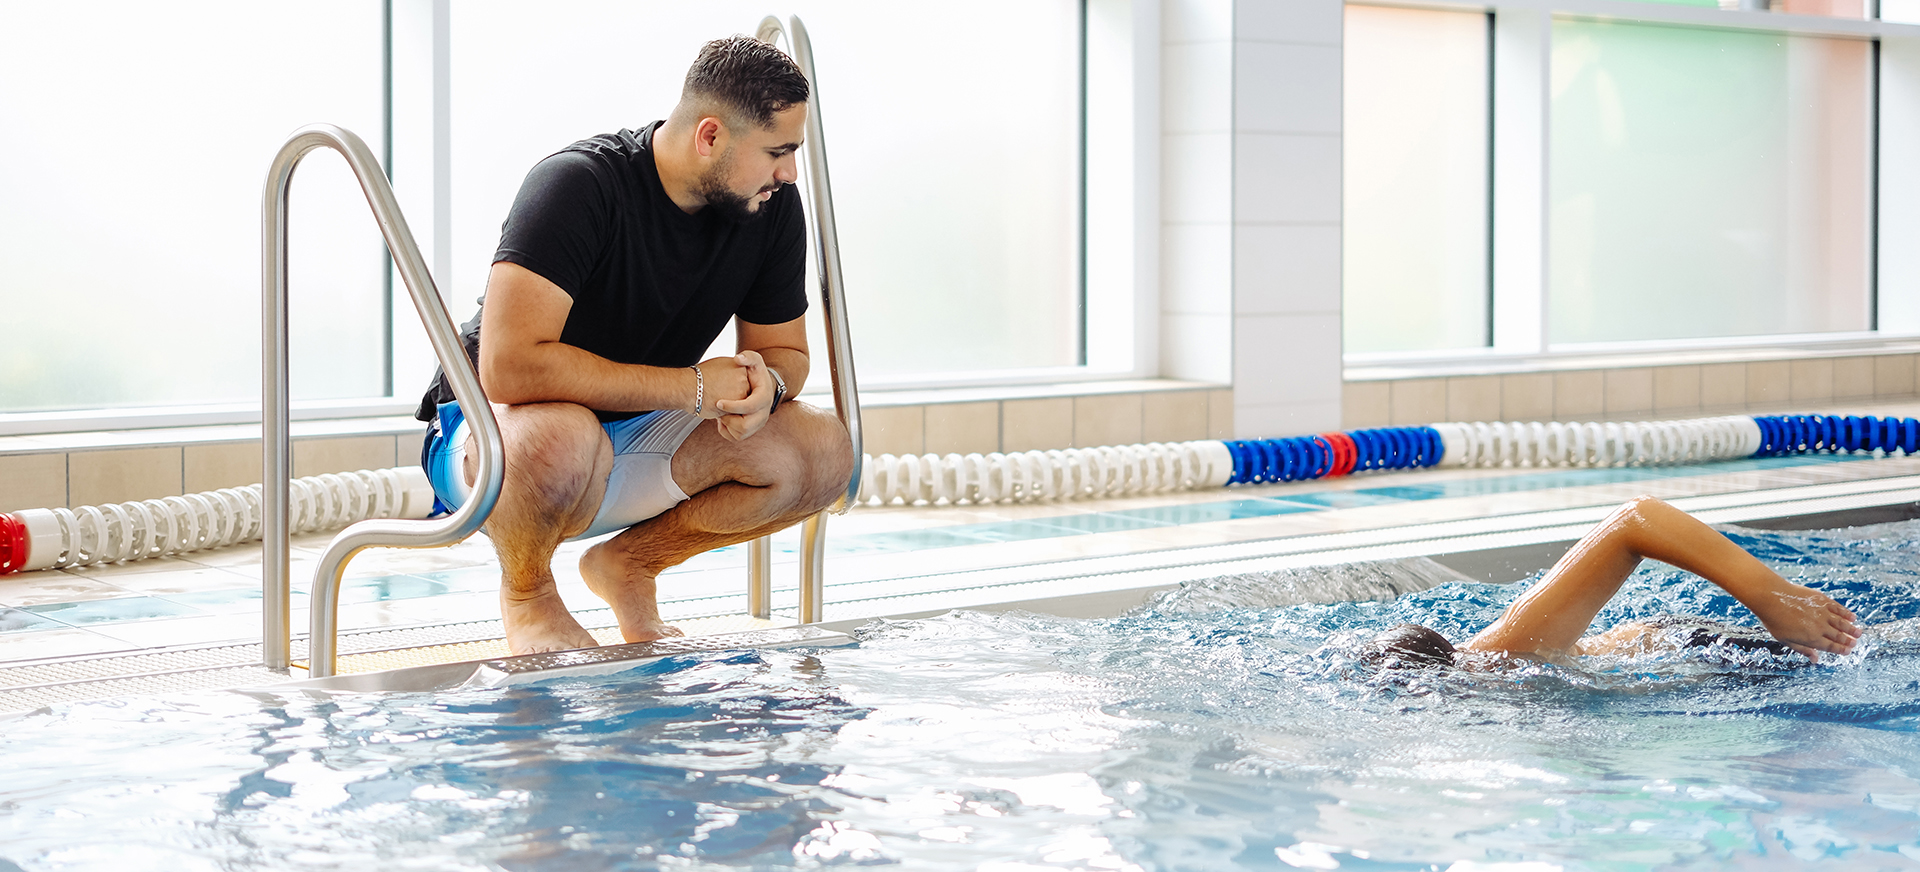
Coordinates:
[781,347]
[522,359]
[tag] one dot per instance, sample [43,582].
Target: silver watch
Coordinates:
[779,389]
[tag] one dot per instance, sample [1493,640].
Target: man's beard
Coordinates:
[712,187]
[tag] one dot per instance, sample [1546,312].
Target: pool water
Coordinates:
[1225,725]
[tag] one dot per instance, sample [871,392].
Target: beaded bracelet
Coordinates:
[699,391]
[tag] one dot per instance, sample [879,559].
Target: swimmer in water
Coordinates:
[1550,620]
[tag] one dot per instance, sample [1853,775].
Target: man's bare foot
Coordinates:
[1807,620]
[541,622]
[629,590]
[648,632]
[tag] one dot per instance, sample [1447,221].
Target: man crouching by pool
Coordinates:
[622,259]
[1550,620]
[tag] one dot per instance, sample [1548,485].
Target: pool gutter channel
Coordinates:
[1498,548]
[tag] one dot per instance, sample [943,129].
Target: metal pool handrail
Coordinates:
[277,469]
[846,391]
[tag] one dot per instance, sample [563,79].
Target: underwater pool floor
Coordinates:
[102,631]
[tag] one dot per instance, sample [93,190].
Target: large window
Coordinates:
[1415,245]
[137,136]
[956,182]
[1657,181]
[133,147]
[1707,183]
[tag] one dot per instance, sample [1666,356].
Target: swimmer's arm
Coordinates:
[522,359]
[1553,615]
[1807,620]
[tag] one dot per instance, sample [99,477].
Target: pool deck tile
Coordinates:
[62,642]
[448,608]
[184,581]
[112,611]
[23,621]
[200,630]
[109,571]
[35,588]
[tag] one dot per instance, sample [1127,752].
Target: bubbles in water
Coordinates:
[1351,582]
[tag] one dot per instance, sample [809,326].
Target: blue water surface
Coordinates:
[1226,725]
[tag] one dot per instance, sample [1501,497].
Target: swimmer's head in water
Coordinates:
[1408,646]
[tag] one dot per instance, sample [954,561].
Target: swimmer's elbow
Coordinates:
[1646,513]
[1647,504]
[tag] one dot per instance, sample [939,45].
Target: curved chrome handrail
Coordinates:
[833,298]
[277,468]
[846,390]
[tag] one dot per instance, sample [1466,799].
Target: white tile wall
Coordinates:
[1191,20]
[1286,88]
[1286,211]
[1193,347]
[1286,268]
[1287,359]
[1303,21]
[1196,173]
[1196,269]
[1267,421]
[1286,177]
[1192,100]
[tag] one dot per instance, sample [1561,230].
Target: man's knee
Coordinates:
[825,455]
[806,452]
[553,447]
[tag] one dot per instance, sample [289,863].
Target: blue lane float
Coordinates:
[1570,444]
[1298,458]
[1811,434]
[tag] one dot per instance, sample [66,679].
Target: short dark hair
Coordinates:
[742,79]
[1408,646]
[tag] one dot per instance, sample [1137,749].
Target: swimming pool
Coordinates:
[1225,725]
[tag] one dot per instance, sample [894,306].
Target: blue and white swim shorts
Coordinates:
[640,486]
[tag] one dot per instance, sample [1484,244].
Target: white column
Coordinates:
[1522,42]
[1286,216]
[1196,178]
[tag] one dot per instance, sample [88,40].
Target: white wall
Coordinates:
[1196,175]
[1250,234]
[1286,216]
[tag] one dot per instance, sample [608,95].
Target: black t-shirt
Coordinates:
[650,283]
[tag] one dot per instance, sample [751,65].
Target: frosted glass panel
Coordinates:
[1707,183]
[135,140]
[1415,246]
[954,140]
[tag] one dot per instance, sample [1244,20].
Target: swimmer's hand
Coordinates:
[1807,620]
